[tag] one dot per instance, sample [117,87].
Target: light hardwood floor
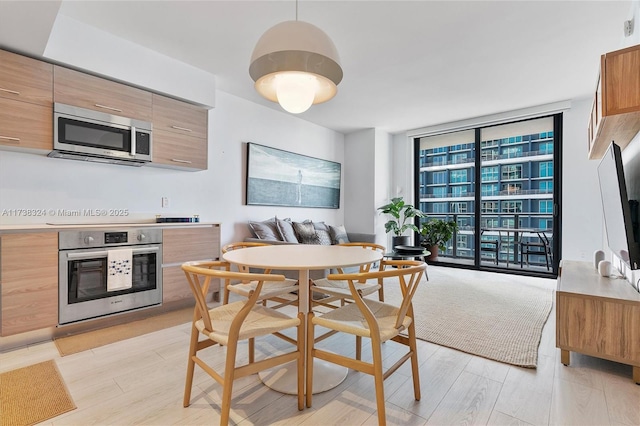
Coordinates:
[141,381]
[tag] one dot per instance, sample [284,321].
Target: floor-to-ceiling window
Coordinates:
[511,172]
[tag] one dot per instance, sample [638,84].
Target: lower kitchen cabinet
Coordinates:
[181,245]
[28,282]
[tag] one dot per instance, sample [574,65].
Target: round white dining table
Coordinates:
[302,258]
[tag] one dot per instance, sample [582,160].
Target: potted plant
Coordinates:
[402,220]
[435,233]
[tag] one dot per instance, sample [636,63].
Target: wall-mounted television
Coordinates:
[617,209]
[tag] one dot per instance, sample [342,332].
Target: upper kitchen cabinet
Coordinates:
[25,79]
[615,113]
[179,134]
[179,117]
[87,91]
[26,103]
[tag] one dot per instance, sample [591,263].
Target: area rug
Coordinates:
[33,394]
[84,341]
[496,318]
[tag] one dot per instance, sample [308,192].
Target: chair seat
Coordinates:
[349,319]
[269,288]
[260,321]
[340,289]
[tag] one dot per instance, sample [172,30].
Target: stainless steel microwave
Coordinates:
[84,134]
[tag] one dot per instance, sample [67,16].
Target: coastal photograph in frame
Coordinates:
[282,178]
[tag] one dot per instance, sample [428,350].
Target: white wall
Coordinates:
[368,164]
[582,227]
[75,43]
[360,175]
[30,181]
[382,189]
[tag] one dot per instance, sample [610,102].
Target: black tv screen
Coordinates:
[616,208]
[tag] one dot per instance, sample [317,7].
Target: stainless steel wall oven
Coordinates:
[84,272]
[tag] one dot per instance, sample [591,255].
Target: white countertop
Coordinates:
[55,227]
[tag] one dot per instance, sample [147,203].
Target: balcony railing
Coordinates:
[425,163]
[508,244]
[492,194]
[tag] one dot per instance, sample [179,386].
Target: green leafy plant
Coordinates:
[402,214]
[436,232]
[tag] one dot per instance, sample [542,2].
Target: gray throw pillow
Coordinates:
[306,233]
[286,231]
[338,234]
[324,237]
[266,230]
[322,231]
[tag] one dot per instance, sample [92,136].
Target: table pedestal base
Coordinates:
[283,378]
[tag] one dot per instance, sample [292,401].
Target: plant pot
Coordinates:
[401,240]
[434,252]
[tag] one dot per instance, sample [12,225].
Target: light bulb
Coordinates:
[295,91]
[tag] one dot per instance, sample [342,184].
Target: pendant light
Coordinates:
[295,64]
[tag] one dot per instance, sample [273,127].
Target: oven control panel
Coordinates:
[116,237]
[108,238]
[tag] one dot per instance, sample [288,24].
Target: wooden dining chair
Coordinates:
[228,324]
[375,320]
[281,292]
[338,290]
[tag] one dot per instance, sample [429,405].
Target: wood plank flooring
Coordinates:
[141,381]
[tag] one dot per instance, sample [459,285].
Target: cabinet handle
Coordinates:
[181,128]
[108,107]
[10,139]
[9,91]
[181,161]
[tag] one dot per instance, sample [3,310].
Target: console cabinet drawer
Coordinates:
[25,79]
[87,91]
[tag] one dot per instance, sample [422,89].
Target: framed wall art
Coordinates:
[282,178]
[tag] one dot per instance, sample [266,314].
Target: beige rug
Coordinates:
[33,394]
[81,342]
[495,316]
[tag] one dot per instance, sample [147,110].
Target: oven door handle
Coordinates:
[89,255]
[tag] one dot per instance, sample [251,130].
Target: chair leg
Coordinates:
[301,356]
[227,385]
[310,338]
[252,350]
[415,372]
[379,381]
[359,348]
[190,366]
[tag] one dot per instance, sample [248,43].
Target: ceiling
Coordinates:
[407,64]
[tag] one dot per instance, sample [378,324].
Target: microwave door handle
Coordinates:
[133,141]
[104,253]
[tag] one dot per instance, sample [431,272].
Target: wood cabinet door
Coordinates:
[179,151]
[25,79]
[87,91]
[28,282]
[621,74]
[194,243]
[179,117]
[182,245]
[26,125]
